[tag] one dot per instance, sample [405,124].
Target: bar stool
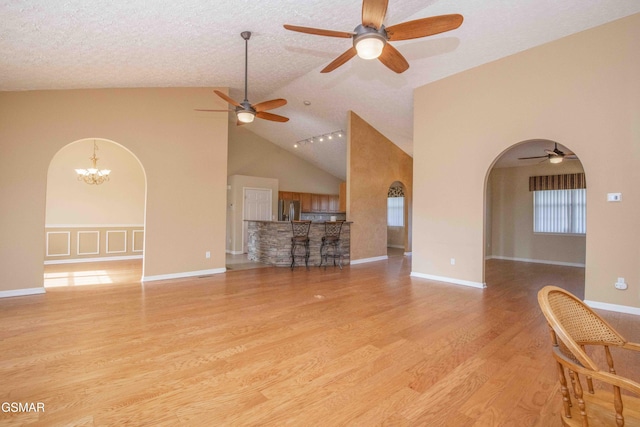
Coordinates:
[300,242]
[330,247]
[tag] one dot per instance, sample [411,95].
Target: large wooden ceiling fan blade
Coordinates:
[424,27]
[228,99]
[393,59]
[340,60]
[269,105]
[373,13]
[319,31]
[270,116]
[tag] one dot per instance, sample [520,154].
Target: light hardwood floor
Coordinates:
[367,345]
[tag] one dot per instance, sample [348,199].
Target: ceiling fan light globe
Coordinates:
[369,47]
[245,116]
[555,159]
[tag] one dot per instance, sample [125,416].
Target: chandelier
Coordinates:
[93,175]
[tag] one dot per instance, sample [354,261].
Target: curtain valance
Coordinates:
[571,181]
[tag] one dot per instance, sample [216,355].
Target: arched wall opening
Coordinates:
[509,202]
[94,222]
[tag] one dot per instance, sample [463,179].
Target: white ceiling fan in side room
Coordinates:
[245,111]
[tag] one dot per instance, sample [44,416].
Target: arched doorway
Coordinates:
[397,219]
[535,208]
[88,222]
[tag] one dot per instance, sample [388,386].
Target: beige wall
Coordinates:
[512,218]
[184,155]
[235,199]
[581,91]
[252,155]
[374,163]
[118,201]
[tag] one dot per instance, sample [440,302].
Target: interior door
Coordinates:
[257,206]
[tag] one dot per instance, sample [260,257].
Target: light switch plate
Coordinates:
[614,197]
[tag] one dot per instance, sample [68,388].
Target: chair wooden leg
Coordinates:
[566,397]
[577,389]
[617,403]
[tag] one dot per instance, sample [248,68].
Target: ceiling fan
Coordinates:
[370,39]
[554,156]
[245,111]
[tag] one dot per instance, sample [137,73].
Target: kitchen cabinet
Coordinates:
[284,195]
[334,203]
[305,202]
[324,203]
[311,202]
[315,203]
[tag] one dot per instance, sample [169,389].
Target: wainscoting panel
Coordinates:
[116,241]
[72,243]
[58,243]
[88,242]
[137,241]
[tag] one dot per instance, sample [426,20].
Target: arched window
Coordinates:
[395,207]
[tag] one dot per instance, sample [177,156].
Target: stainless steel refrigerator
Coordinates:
[288,210]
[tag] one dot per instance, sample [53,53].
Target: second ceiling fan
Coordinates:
[245,111]
[370,39]
[554,156]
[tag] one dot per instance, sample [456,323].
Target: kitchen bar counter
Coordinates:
[269,242]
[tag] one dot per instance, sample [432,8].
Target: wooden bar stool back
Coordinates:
[300,242]
[330,247]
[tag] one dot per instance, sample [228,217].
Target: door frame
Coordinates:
[244,210]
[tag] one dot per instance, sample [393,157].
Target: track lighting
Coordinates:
[319,138]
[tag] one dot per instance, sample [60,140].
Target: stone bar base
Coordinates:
[270,243]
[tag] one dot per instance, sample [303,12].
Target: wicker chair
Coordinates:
[573,326]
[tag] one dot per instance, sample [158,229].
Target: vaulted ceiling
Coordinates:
[102,44]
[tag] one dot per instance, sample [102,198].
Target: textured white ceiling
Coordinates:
[140,43]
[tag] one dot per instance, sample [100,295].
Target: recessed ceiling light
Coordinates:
[307,103]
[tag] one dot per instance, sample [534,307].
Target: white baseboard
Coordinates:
[396,246]
[537,261]
[365,260]
[183,275]
[78,260]
[234,252]
[21,292]
[408,253]
[613,307]
[449,280]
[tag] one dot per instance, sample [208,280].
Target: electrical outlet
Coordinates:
[207,254]
[453,261]
[620,284]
